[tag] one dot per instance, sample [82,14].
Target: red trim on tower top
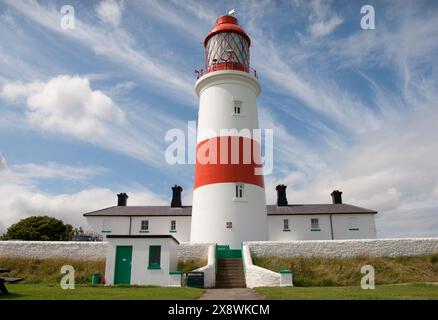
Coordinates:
[227,24]
[224,167]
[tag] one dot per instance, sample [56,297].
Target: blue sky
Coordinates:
[84,112]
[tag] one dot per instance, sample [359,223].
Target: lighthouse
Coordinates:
[229,203]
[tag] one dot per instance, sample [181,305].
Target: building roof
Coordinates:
[142,211]
[293,209]
[156,236]
[300,209]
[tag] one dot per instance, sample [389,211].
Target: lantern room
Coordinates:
[227,46]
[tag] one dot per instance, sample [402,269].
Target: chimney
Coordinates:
[281,195]
[122,199]
[336,197]
[176,197]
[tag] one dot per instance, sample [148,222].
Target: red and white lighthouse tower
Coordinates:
[229,204]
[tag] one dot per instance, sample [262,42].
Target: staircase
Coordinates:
[229,272]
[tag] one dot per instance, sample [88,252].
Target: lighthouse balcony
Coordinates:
[226,66]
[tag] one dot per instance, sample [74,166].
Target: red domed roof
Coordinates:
[227,24]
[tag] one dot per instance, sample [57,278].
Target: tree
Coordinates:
[39,228]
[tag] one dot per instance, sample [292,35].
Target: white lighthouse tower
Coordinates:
[229,204]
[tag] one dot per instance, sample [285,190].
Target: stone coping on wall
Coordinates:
[82,250]
[391,247]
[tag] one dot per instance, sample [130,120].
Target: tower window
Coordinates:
[286,225]
[314,224]
[239,191]
[144,225]
[173,226]
[238,109]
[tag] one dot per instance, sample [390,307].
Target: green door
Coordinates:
[122,273]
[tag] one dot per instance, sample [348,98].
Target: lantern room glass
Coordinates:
[227,50]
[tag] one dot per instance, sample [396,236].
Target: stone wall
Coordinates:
[84,250]
[210,269]
[256,276]
[53,249]
[344,248]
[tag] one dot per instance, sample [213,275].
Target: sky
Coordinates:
[84,111]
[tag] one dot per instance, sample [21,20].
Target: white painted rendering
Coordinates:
[161,225]
[300,227]
[190,251]
[210,269]
[158,225]
[175,280]
[286,279]
[140,274]
[215,206]
[115,225]
[344,248]
[217,92]
[256,276]
[365,225]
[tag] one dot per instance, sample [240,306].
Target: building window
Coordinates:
[154,257]
[106,227]
[314,224]
[144,226]
[238,109]
[173,226]
[286,225]
[239,192]
[352,224]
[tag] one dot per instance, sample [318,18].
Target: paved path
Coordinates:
[231,294]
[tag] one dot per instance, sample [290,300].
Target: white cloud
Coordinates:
[323,20]
[118,46]
[435,191]
[3,164]
[53,170]
[110,11]
[323,28]
[66,104]
[21,197]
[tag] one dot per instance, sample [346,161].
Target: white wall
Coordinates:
[256,276]
[118,225]
[210,269]
[161,226]
[213,212]
[344,248]
[79,250]
[365,224]
[140,274]
[217,92]
[300,228]
[84,250]
[158,225]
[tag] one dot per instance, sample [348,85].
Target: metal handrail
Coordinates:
[225,66]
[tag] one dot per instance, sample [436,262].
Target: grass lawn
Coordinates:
[84,292]
[385,292]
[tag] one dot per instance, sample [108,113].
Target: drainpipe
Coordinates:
[331,226]
[130,224]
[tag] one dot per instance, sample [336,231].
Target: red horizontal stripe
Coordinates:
[227,159]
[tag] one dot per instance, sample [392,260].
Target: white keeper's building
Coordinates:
[334,220]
